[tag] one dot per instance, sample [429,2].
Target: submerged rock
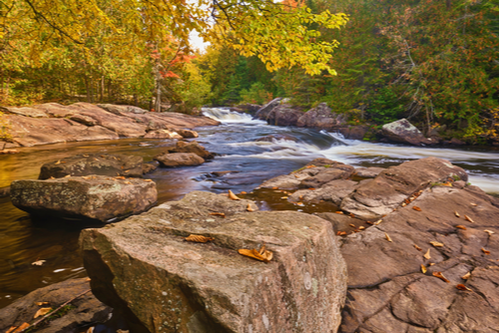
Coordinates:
[191,147]
[210,287]
[85,311]
[92,197]
[93,164]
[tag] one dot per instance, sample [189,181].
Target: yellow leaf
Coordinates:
[15,329]
[456,214]
[460,227]
[466,276]
[469,219]
[42,312]
[38,262]
[427,254]
[418,209]
[441,276]
[198,238]
[423,269]
[388,237]
[463,287]
[232,196]
[417,247]
[489,232]
[437,244]
[485,251]
[265,256]
[42,303]
[249,208]
[218,214]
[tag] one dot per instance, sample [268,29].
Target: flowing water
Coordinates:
[241,164]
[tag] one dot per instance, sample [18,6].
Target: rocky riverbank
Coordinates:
[420,247]
[55,123]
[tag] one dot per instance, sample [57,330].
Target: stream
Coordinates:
[249,162]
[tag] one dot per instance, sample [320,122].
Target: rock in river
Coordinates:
[403,131]
[179,159]
[143,264]
[89,197]
[93,164]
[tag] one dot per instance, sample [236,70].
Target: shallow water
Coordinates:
[23,241]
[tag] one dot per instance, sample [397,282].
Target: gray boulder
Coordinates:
[93,164]
[263,112]
[321,117]
[92,197]
[210,287]
[403,131]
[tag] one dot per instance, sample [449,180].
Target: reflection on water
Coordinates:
[249,163]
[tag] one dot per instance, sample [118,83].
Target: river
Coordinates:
[250,162]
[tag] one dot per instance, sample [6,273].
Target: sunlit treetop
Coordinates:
[280,34]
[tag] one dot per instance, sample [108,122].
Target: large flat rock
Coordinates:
[93,197]
[144,264]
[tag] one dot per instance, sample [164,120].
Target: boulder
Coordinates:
[85,311]
[388,290]
[379,196]
[284,114]
[187,134]
[327,174]
[263,112]
[356,132]
[93,164]
[150,167]
[341,222]
[246,108]
[97,198]
[210,287]
[24,111]
[402,131]
[333,191]
[321,117]
[179,159]
[370,172]
[191,147]
[163,134]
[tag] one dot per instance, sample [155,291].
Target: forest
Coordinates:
[432,62]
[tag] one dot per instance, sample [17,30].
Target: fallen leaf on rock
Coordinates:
[265,256]
[369,222]
[441,276]
[469,219]
[58,162]
[407,201]
[90,330]
[249,208]
[341,233]
[311,188]
[361,228]
[232,196]
[418,209]
[485,251]
[463,287]
[85,155]
[15,329]
[436,244]
[388,237]
[38,262]
[417,247]
[51,177]
[42,303]
[67,176]
[456,214]
[300,204]
[127,183]
[489,232]
[87,279]
[198,238]
[218,214]
[378,222]
[431,264]
[352,225]
[120,177]
[42,312]
[423,269]
[403,204]
[243,192]
[297,176]
[352,215]
[147,180]
[427,254]
[447,184]
[339,212]
[466,276]
[460,227]
[473,204]
[310,166]
[274,188]
[284,198]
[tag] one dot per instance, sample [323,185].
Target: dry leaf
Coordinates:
[407,201]
[87,279]
[441,276]
[418,209]
[403,204]
[473,204]
[67,176]
[120,177]
[38,262]
[341,233]
[51,177]
[127,183]
[148,180]
[352,225]
[300,204]
[460,227]
[249,208]
[339,212]
[15,329]
[42,312]
[232,196]
[489,232]
[463,287]
[361,228]
[42,303]
[90,330]
[198,238]
[447,184]
[466,276]
[436,244]
[218,214]
[387,237]
[378,222]
[417,247]
[423,269]
[58,162]
[266,256]
[431,264]
[311,188]
[485,251]
[243,192]
[456,214]
[369,222]
[352,215]
[85,155]
[274,188]
[427,254]
[469,219]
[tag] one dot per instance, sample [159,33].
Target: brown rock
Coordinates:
[162,134]
[210,287]
[284,114]
[404,132]
[93,197]
[328,174]
[187,134]
[191,147]
[370,172]
[93,164]
[179,159]
[388,190]
[24,111]
[357,132]
[320,117]
[333,191]
[264,111]
[149,167]
[87,310]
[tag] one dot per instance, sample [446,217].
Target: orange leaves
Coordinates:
[218,214]
[469,219]
[232,196]
[463,287]
[441,276]
[388,237]
[418,209]
[485,251]
[417,247]
[15,329]
[262,254]
[42,312]
[427,254]
[436,244]
[460,227]
[423,269]
[198,238]
[249,208]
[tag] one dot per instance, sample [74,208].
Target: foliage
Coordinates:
[5,126]
[385,107]
[257,94]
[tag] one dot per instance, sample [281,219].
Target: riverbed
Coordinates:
[241,164]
